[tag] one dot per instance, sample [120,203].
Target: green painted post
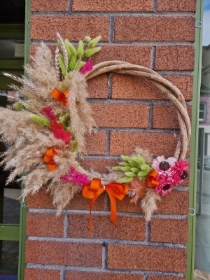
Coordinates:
[194,139]
[23,211]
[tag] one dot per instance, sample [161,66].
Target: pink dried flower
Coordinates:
[47,111]
[87,67]
[179,171]
[75,177]
[162,165]
[164,190]
[165,184]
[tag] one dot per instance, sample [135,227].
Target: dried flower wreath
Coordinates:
[46,133]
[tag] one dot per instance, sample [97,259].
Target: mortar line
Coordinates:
[118,14]
[153,57]
[150,116]
[70,3]
[93,269]
[66,225]
[63,274]
[126,43]
[111,29]
[108,143]
[148,231]
[110,86]
[104,255]
[154,6]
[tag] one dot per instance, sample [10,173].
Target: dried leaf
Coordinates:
[139,187]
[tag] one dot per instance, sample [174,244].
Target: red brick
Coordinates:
[96,143]
[132,87]
[63,253]
[44,224]
[73,28]
[165,116]
[176,6]
[78,275]
[132,54]
[40,199]
[154,29]
[174,58]
[146,258]
[43,200]
[49,6]
[127,228]
[41,274]
[155,277]
[81,203]
[98,87]
[121,115]
[124,143]
[172,231]
[112,6]
[99,165]
[176,203]
[184,83]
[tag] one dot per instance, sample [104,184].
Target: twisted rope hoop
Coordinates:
[167,88]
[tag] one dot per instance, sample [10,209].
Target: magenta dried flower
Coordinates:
[75,177]
[47,111]
[87,67]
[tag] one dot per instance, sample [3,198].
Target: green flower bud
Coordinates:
[90,52]
[94,42]
[80,50]
[87,39]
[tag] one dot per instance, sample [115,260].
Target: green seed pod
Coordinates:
[90,52]
[72,49]
[40,120]
[79,65]
[94,42]
[87,39]
[66,42]
[117,168]
[125,180]
[125,158]
[129,174]
[80,50]
[72,63]
[125,168]
[135,170]
[62,65]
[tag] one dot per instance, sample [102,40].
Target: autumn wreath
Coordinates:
[45,132]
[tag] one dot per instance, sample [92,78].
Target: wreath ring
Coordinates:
[45,134]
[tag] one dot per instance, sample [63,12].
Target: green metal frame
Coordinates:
[24,209]
[194,140]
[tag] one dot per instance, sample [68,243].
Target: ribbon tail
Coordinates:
[113,208]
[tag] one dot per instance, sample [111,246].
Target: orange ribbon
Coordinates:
[114,190]
[60,96]
[48,158]
[151,179]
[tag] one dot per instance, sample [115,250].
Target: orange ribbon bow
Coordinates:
[114,190]
[151,179]
[60,96]
[48,158]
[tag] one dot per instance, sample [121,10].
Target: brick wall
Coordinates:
[129,112]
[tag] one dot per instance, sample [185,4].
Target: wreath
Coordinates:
[45,132]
